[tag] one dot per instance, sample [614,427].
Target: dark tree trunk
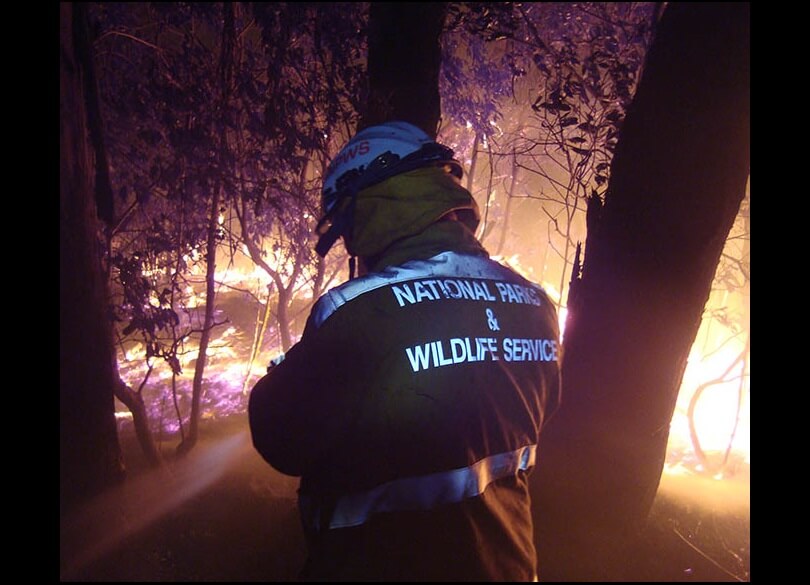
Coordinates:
[404,57]
[208,324]
[197,389]
[677,181]
[283,317]
[90,455]
[140,421]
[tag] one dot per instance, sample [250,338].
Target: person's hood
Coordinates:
[405,205]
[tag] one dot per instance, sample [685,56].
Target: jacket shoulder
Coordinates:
[446,264]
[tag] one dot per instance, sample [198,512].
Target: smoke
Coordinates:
[726,496]
[101,525]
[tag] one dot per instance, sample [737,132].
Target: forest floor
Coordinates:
[222,514]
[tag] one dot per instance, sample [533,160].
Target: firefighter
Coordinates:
[412,406]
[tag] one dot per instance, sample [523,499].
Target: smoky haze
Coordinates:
[222,513]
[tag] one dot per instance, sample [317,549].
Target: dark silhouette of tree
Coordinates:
[676,184]
[90,455]
[404,57]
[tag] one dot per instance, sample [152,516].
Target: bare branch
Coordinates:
[130,37]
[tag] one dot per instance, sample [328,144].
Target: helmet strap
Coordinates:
[329,237]
[342,224]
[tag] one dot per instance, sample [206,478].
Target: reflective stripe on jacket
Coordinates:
[424,492]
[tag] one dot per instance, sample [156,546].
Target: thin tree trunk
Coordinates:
[318,281]
[208,324]
[262,319]
[283,319]
[90,454]
[473,162]
[140,419]
[709,466]
[570,213]
[677,182]
[226,72]
[403,69]
[508,210]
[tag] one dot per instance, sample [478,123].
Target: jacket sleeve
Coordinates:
[297,410]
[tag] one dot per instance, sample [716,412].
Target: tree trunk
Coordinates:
[283,317]
[208,325]
[90,454]
[473,162]
[403,69]
[677,181]
[140,420]
[507,212]
[318,281]
[226,75]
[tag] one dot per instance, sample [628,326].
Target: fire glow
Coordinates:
[720,417]
[715,395]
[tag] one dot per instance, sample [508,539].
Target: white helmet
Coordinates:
[371,156]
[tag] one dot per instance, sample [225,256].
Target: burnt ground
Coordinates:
[222,514]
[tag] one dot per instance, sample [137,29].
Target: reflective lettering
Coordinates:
[359,149]
[512,296]
[501,286]
[418,356]
[493,348]
[421,292]
[488,294]
[525,350]
[471,357]
[453,295]
[481,293]
[550,350]
[466,289]
[459,349]
[403,294]
[442,361]
[472,290]
[432,285]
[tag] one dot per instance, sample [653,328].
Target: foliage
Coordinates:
[297,87]
[477,74]
[179,134]
[297,102]
[158,83]
[546,87]
[590,69]
[312,66]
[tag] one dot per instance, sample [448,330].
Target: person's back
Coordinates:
[411,407]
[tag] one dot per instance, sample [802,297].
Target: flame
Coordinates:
[721,414]
[719,368]
[561,317]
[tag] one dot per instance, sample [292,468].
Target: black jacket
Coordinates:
[411,408]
